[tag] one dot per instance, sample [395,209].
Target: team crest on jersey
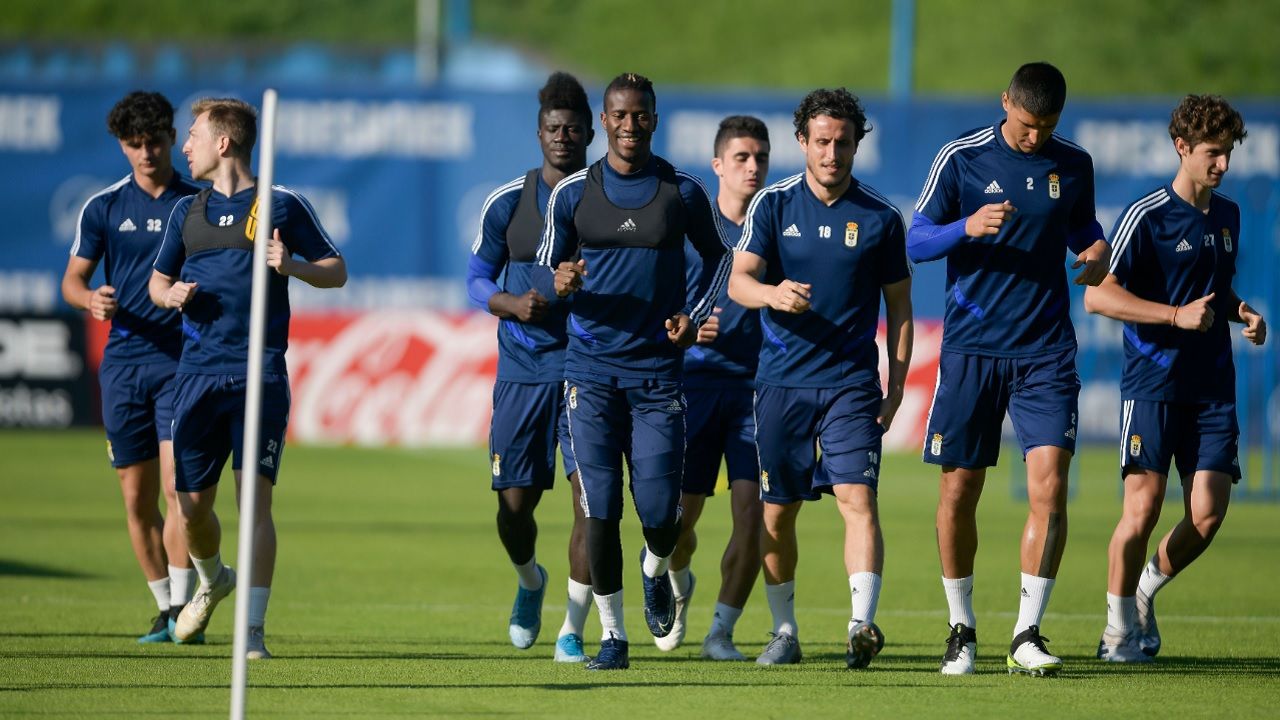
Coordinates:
[1226,239]
[1055,187]
[764,480]
[935,445]
[573,397]
[1135,445]
[851,234]
[497,465]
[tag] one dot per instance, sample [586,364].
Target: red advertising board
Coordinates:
[419,378]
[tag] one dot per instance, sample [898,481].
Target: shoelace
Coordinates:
[955,644]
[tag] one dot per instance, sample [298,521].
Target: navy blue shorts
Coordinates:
[794,424]
[640,421]
[1196,436]
[528,422]
[208,425]
[1041,395]
[137,410]
[720,422]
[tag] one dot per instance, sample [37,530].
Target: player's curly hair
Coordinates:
[839,104]
[1206,118]
[140,114]
[232,117]
[633,81]
[1039,88]
[736,126]
[563,92]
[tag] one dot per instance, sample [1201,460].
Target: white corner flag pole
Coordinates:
[253,403]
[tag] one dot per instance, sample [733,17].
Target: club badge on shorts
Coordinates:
[573,397]
[1226,239]
[1055,188]
[851,234]
[497,465]
[111,453]
[1135,445]
[935,445]
[764,480]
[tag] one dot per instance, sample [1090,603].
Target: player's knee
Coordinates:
[1208,523]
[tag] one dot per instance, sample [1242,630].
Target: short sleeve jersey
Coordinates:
[1167,251]
[631,231]
[847,251]
[122,226]
[731,359]
[214,249]
[1007,293]
[511,223]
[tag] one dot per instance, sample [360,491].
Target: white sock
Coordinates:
[782,605]
[258,597]
[654,565]
[680,581]
[182,585]
[528,575]
[1151,580]
[864,595]
[579,604]
[610,609]
[725,618]
[208,569]
[1122,612]
[160,589]
[960,600]
[1035,598]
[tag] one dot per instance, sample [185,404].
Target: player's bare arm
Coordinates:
[1113,300]
[710,329]
[569,277]
[528,307]
[169,293]
[1095,260]
[330,272]
[99,301]
[899,339]
[680,330]
[746,289]
[1255,326]
[989,219]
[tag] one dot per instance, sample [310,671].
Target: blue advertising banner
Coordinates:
[398,179]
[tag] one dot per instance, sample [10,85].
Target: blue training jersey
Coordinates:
[1006,293]
[123,226]
[631,232]
[847,251]
[1167,251]
[731,359]
[216,252]
[527,352]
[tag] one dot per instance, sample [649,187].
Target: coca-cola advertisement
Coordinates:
[421,377]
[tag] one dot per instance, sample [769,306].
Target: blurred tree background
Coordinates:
[963,47]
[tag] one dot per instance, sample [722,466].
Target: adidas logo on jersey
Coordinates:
[127,226]
[791,231]
[993,188]
[628,226]
[1183,246]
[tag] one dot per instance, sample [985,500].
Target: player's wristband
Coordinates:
[1174,320]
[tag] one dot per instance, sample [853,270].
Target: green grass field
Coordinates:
[392,595]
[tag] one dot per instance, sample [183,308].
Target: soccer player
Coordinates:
[615,237]
[1170,283]
[528,401]
[719,381]
[203,270]
[124,224]
[1003,204]
[818,251]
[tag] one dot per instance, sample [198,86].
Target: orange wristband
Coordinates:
[1174,320]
